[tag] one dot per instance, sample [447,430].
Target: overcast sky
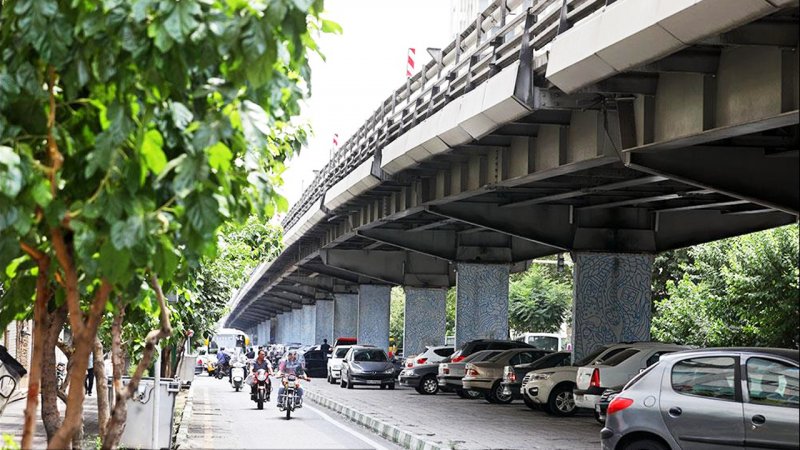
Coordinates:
[363,65]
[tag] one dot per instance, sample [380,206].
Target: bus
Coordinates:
[227,338]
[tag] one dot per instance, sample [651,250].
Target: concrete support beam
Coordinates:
[391,267]
[481,302]
[425,319]
[323,326]
[611,301]
[345,315]
[373,315]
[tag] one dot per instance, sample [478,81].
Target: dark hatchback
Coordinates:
[316,363]
[513,375]
[422,378]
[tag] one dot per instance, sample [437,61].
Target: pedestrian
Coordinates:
[325,347]
[89,382]
[250,353]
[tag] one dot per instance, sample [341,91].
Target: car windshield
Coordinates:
[370,356]
[340,352]
[620,357]
[591,357]
[550,360]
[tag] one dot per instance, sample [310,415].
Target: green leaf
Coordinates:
[10,173]
[115,264]
[41,193]
[329,26]
[181,21]
[202,212]
[125,234]
[219,157]
[152,150]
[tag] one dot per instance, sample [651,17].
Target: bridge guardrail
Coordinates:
[493,42]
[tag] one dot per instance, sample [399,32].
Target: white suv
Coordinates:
[615,371]
[431,355]
[335,363]
[551,389]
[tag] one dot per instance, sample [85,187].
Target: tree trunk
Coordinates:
[51,418]
[68,351]
[117,423]
[101,386]
[39,332]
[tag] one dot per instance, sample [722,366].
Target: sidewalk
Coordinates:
[13,417]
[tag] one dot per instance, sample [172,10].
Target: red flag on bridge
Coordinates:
[412,55]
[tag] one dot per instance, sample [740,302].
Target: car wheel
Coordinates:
[461,393]
[383,386]
[342,383]
[391,387]
[349,383]
[529,403]
[499,396]
[330,378]
[645,444]
[428,385]
[561,401]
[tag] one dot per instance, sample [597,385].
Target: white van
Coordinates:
[545,341]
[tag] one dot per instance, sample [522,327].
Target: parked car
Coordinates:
[422,378]
[709,398]
[513,375]
[451,373]
[345,341]
[486,376]
[432,354]
[617,370]
[552,388]
[486,344]
[367,366]
[335,362]
[605,399]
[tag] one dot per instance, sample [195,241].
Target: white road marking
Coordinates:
[358,435]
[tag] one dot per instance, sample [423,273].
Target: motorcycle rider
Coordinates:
[223,360]
[261,362]
[291,366]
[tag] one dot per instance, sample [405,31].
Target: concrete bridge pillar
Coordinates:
[425,319]
[611,300]
[309,324]
[345,316]
[267,333]
[481,302]
[297,325]
[373,314]
[323,327]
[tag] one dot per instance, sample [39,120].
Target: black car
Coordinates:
[316,363]
[513,375]
[486,344]
[422,378]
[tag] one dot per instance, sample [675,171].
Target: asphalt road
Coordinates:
[222,418]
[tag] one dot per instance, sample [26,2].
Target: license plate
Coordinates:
[373,381]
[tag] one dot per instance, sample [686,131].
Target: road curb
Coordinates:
[182,439]
[385,430]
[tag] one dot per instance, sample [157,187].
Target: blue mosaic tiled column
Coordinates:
[611,300]
[481,302]
[425,319]
[373,314]
[345,316]
[309,324]
[267,332]
[324,324]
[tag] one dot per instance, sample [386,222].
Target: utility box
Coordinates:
[139,426]
[11,371]
[186,369]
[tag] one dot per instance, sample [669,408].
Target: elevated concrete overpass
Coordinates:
[613,130]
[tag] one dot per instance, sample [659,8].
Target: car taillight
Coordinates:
[410,364]
[618,404]
[422,360]
[509,376]
[199,362]
[458,358]
[595,381]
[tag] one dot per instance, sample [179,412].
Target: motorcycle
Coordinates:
[237,376]
[263,388]
[61,374]
[222,371]
[290,400]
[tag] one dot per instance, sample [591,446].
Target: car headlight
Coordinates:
[355,369]
[541,376]
[389,370]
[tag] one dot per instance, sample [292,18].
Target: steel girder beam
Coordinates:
[335,272]
[483,246]
[741,172]
[392,267]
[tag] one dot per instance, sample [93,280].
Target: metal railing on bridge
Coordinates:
[506,32]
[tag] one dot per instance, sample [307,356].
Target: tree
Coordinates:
[129,133]
[738,291]
[537,301]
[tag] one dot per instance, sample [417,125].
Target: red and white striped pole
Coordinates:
[334,146]
[412,55]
